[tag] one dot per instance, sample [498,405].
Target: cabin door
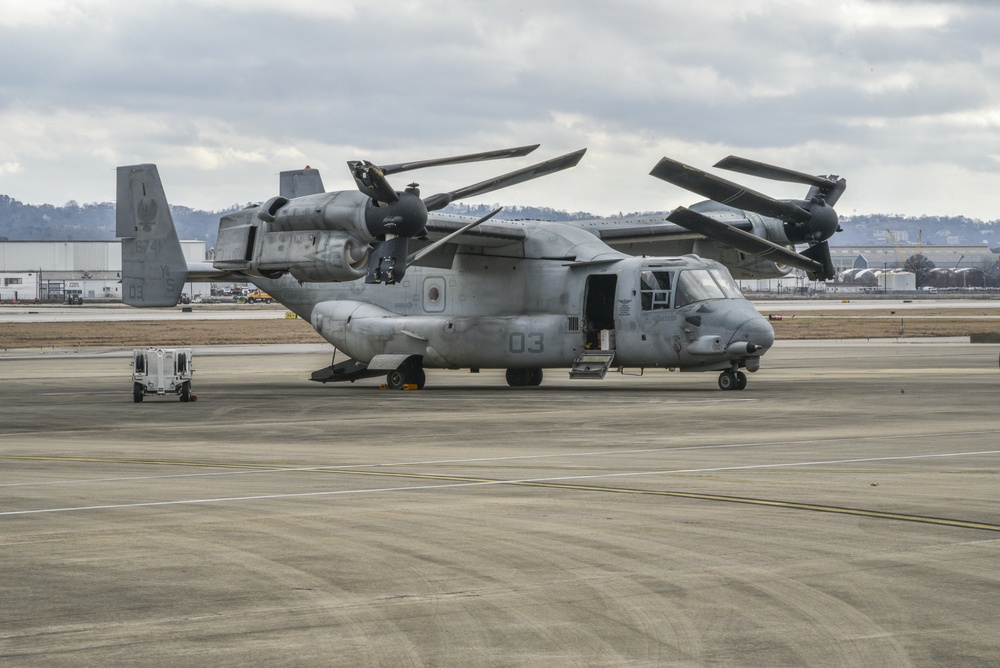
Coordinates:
[599,312]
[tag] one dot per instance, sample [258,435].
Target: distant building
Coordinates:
[897,281]
[57,270]
[880,268]
[891,257]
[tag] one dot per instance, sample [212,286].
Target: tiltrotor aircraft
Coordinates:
[399,287]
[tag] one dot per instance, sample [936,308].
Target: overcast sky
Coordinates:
[901,98]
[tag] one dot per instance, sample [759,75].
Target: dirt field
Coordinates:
[159,334]
[804,325]
[883,324]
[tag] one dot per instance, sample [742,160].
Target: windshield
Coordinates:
[696,285]
[726,282]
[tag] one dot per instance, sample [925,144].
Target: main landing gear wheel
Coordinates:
[408,374]
[732,380]
[524,377]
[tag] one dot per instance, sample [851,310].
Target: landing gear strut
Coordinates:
[732,380]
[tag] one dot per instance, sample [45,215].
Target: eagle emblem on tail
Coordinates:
[146,213]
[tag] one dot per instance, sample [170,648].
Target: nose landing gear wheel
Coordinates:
[732,380]
[727,380]
[741,380]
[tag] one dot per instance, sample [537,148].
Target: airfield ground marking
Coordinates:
[558,483]
[285,468]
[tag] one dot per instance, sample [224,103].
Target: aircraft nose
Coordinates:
[756,330]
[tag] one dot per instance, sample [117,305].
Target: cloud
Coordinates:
[224,94]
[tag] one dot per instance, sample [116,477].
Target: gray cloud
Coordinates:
[224,94]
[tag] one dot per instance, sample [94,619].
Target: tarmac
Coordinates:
[841,511]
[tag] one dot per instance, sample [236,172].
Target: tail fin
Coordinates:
[300,182]
[153,266]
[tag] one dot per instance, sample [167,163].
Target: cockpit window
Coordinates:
[726,282]
[696,285]
[654,289]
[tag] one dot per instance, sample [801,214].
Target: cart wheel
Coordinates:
[186,391]
[137,392]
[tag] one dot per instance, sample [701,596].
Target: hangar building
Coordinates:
[57,270]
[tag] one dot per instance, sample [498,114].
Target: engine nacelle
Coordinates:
[287,236]
[741,265]
[313,256]
[337,211]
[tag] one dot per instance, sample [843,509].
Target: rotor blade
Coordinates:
[441,200]
[371,181]
[831,187]
[838,189]
[427,250]
[727,192]
[821,253]
[515,152]
[735,163]
[743,241]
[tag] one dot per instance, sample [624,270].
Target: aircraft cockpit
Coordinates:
[691,312]
[662,288]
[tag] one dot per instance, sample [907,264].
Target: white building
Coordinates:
[56,270]
[889,257]
[897,281]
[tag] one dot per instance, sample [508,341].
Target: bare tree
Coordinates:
[921,266]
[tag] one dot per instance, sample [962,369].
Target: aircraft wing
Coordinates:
[612,231]
[494,233]
[656,228]
[654,234]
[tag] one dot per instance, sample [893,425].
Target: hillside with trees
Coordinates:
[75,222]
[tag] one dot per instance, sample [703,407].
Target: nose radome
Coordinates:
[756,330]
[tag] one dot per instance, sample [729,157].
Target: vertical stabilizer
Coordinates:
[153,266]
[300,182]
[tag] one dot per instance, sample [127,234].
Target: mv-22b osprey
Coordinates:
[399,290]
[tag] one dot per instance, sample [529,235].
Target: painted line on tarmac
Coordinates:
[243,469]
[287,468]
[449,482]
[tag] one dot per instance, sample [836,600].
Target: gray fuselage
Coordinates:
[541,304]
